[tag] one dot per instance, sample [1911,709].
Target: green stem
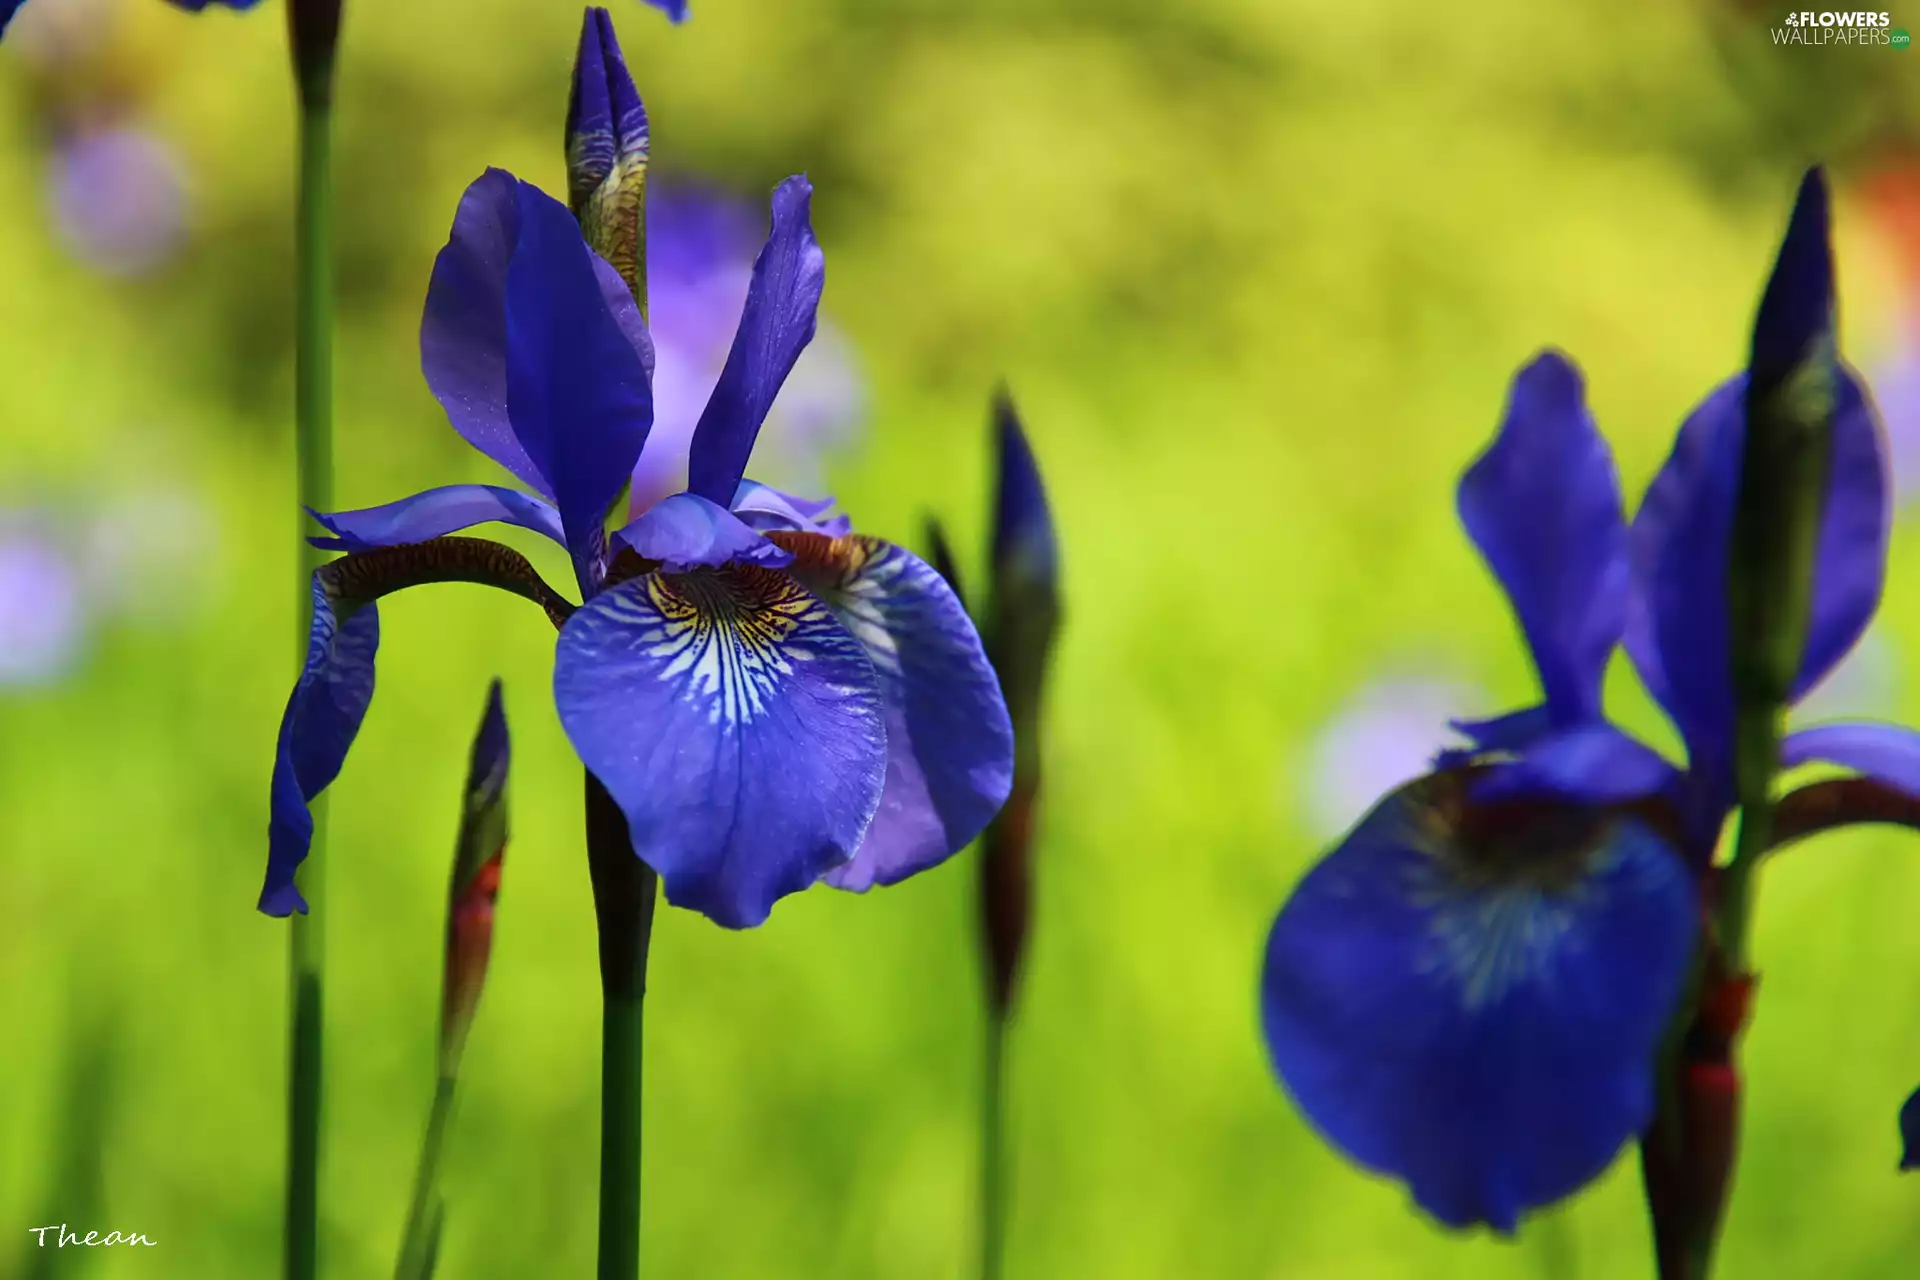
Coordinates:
[1757,760]
[417,1245]
[313,432]
[623,900]
[993,1204]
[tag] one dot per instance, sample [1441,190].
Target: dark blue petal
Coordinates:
[776,325]
[534,347]
[1889,753]
[676,10]
[1470,998]
[738,725]
[577,391]
[1590,763]
[463,332]
[1851,564]
[437,511]
[1543,505]
[949,740]
[321,720]
[1796,312]
[1910,1132]
[1677,631]
[687,532]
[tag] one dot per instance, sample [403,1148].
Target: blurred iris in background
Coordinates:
[119,198]
[700,247]
[1382,736]
[43,610]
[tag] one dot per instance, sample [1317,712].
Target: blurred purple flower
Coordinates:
[1896,386]
[1384,735]
[43,613]
[700,247]
[119,198]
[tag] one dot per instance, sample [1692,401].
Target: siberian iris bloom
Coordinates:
[771,698]
[1469,992]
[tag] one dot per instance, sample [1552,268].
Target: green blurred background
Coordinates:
[1257,270]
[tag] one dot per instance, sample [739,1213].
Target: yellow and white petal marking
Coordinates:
[729,636]
[858,577]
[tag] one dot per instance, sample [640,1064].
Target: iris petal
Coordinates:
[1677,631]
[1543,505]
[1592,763]
[577,391]
[320,723]
[687,532]
[1889,753]
[1470,998]
[949,740]
[435,512]
[776,325]
[738,725]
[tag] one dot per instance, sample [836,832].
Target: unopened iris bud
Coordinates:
[475,886]
[1793,380]
[1023,613]
[607,142]
[940,556]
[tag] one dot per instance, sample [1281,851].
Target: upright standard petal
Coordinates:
[737,723]
[1470,997]
[320,723]
[577,391]
[1850,567]
[534,348]
[1543,505]
[775,327]
[1679,545]
[463,332]
[949,740]
[447,509]
[607,148]
[1678,628]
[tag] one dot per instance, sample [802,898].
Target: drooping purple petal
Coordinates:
[320,723]
[1470,999]
[1543,505]
[775,326]
[949,740]
[1888,753]
[1591,763]
[688,532]
[577,392]
[1677,631]
[737,723]
[447,509]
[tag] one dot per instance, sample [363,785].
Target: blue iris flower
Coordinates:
[771,698]
[1469,992]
